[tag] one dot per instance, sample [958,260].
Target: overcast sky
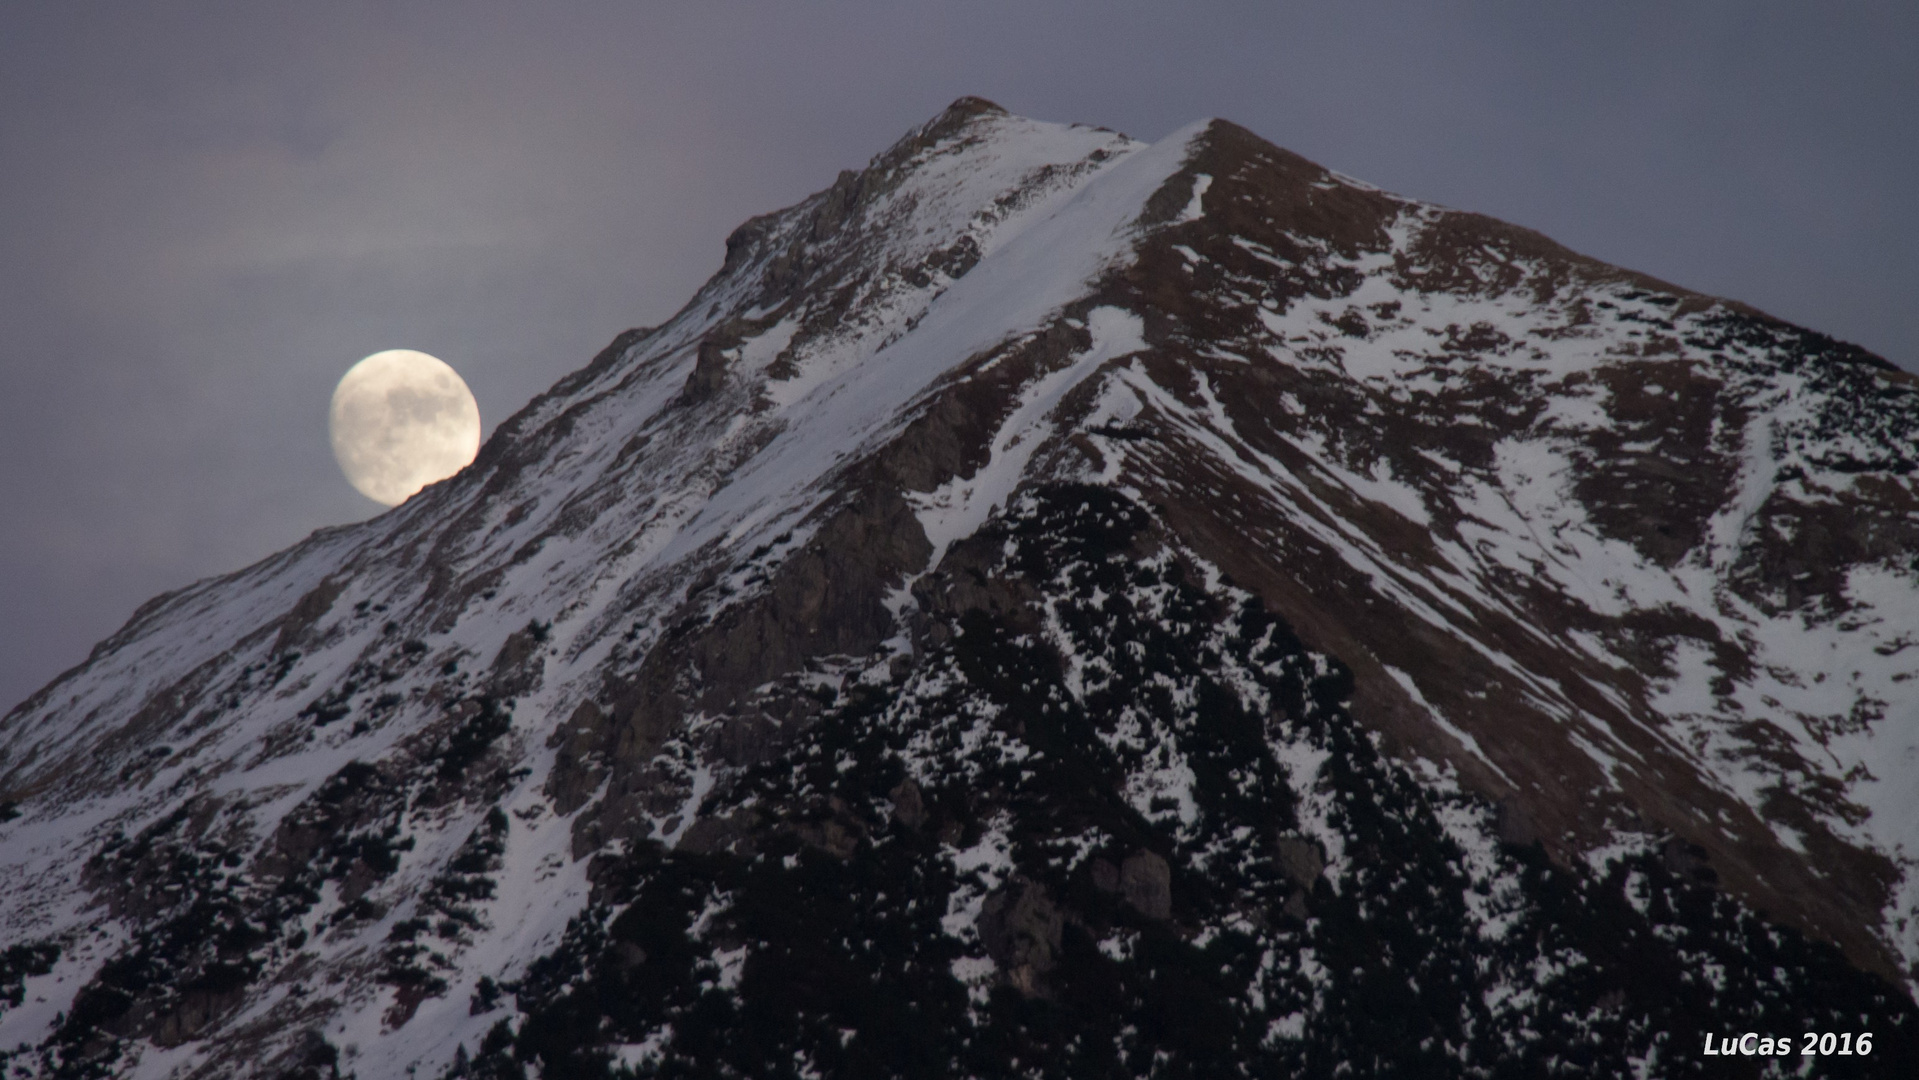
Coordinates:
[209,211]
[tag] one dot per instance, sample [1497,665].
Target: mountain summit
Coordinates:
[1051,605]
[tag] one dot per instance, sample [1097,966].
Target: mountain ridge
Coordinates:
[1555,522]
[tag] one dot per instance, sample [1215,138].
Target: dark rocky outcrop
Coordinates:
[1020,927]
[1146,883]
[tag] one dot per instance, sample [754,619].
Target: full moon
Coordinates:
[401,420]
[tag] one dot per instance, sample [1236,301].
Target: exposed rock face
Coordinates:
[1048,605]
[1147,884]
[1020,928]
[1301,859]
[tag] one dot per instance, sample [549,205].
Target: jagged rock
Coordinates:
[628,955]
[1146,883]
[1300,858]
[1104,874]
[733,832]
[196,1010]
[708,375]
[1686,859]
[518,666]
[314,1058]
[578,764]
[908,805]
[748,740]
[1020,927]
[1296,905]
[840,834]
[294,629]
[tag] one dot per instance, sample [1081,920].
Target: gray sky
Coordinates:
[209,211]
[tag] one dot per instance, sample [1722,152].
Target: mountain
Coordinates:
[1050,605]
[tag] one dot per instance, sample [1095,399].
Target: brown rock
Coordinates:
[748,740]
[908,805]
[837,838]
[1146,883]
[710,834]
[709,372]
[359,878]
[1020,927]
[627,955]
[579,766]
[1300,858]
[1687,860]
[196,1010]
[518,666]
[1296,905]
[310,1057]
[296,626]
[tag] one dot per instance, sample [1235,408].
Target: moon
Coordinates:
[401,420]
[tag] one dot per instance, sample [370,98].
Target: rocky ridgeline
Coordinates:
[1050,606]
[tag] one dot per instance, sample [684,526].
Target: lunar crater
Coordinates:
[401,420]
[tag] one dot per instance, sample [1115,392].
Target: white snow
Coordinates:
[1196,205]
[960,506]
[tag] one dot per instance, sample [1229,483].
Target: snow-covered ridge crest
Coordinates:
[977,184]
[558,557]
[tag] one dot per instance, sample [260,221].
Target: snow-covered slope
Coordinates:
[1170,569]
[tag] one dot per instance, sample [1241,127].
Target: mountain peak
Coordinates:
[966,108]
[1050,596]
